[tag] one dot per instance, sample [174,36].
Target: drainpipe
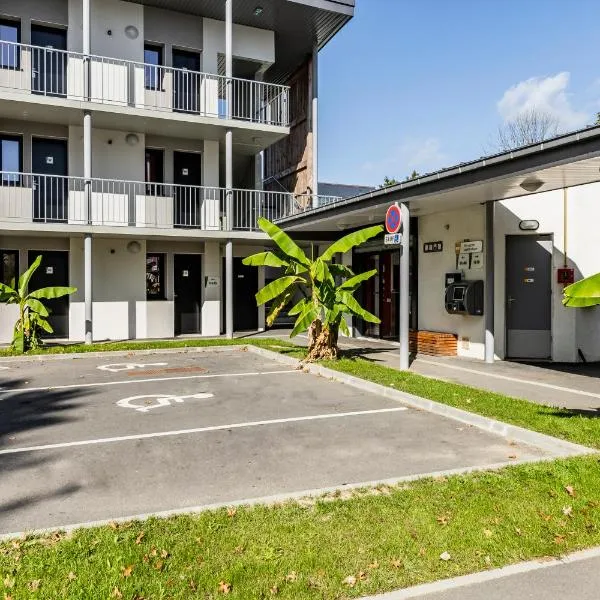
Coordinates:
[565,225]
[315,125]
[489,281]
[87,175]
[404,289]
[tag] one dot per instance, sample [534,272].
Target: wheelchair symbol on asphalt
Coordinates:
[150,401]
[116,367]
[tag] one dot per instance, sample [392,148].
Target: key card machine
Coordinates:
[465,298]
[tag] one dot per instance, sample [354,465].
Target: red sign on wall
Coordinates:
[393,219]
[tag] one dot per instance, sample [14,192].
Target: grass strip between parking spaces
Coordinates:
[580,427]
[340,546]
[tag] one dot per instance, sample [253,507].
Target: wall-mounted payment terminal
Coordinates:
[465,298]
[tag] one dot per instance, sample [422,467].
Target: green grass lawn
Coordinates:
[339,546]
[370,541]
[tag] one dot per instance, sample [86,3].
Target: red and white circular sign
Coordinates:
[393,219]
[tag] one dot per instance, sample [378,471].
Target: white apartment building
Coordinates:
[133,141]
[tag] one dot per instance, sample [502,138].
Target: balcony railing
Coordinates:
[63,74]
[53,199]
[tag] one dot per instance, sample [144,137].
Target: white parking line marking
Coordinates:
[143,436]
[116,367]
[153,380]
[159,400]
[550,386]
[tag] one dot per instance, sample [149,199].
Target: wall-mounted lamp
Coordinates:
[258,11]
[131,31]
[529,225]
[532,184]
[134,247]
[131,139]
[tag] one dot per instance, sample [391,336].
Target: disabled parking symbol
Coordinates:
[148,402]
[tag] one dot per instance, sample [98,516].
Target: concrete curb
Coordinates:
[560,448]
[468,580]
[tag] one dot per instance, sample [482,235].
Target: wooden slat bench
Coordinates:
[433,343]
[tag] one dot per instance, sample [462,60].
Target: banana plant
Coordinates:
[326,289]
[32,312]
[583,293]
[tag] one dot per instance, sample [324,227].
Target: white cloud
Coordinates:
[422,155]
[545,94]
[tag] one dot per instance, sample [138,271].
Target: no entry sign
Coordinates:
[393,219]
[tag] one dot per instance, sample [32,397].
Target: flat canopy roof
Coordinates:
[564,161]
[297,24]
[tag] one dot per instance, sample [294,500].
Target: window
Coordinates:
[9,267]
[10,35]
[11,159]
[155,277]
[153,59]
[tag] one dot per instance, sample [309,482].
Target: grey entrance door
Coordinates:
[528,296]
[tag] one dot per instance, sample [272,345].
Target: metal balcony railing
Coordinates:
[63,74]
[53,199]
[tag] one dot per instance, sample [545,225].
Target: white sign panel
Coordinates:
[477,260]
[470,247]
[392,239]
[213,282]
[463,261]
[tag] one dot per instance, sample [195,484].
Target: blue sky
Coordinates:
[423,84]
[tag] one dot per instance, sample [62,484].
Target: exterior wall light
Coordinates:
[258,11]
[529,225]
[131,31]
[132,139]
[532,184]
[134,247]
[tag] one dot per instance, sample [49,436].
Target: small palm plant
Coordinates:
[32,312]
[583,293]
[327,289]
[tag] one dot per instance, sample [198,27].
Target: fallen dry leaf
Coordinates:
[8,597]
[488,560]
[443,519]
[71,576]
[34,586]
[350,581]
[231,512]
[570,490]
[126,571]
[518,531]
[274,590]
[361,576]
[9,582]
[239,550]
[445,556]
[224,587]
[421,551]
[488,533]
[116,593]
[139,538]
[158,565]
[164,554]
[559,539]
[396,563]
[512,456]
[293,576]
[374,565]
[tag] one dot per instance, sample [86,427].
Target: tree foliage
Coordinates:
[326,289]
[528,127]
[32,312]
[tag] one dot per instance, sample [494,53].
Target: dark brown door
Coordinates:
[188,293]
[186,81]
[188,194]
[386,298]
[49,163]
[49,64]
[54,271]
[155,171]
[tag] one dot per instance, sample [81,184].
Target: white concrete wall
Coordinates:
[462,224]
[46,12]
[211,296]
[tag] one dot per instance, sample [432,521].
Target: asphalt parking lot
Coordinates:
[86,439]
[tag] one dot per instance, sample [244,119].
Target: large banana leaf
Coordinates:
[304,320]
[284,241]
[26,276]
[349,241]
[52,292]
[352,283]
[583,293]
[341,270]
[36,306]
[276,288]
[264,259]
[278,305]
[350,301]
[298,308]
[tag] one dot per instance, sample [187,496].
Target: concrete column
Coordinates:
[262,313]
[86,47]
[404,289]
[315,124]
[488,305]
[211,299]
[87,163]
[229,289]
[229,55]
[87,284]
[229,216]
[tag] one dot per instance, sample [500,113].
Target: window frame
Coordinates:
[151,68]
[15,253]
[11,138]
[162,294]
[17,25]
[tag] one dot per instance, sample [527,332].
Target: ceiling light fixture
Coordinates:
[131,31]
[532,184]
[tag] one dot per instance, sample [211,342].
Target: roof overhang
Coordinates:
[565,161]
[297,24]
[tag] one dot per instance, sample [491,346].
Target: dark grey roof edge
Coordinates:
[558,142]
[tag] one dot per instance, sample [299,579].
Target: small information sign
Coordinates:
[392,239]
